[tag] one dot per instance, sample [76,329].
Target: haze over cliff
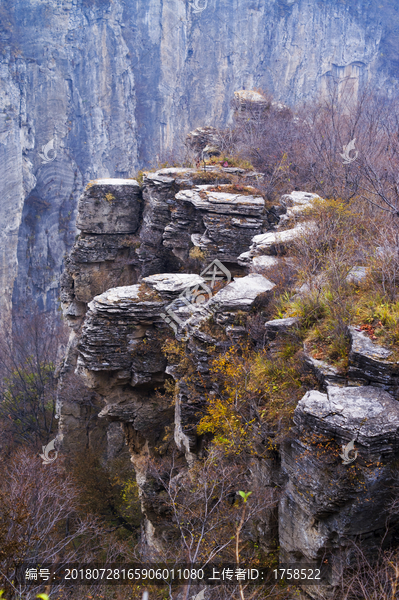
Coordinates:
[113,85]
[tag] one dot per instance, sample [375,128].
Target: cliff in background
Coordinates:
[112,86]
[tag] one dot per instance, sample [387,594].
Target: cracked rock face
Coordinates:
[120,358]
[328,503]
[115,324]
[110,206]
[104,254]
[367,413]
[219,223]
[370,362]
[167,224]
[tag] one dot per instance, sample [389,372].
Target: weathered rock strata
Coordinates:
[326,504]
[369,363]
[116,347]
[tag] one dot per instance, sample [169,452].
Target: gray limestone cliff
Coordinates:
[95,89]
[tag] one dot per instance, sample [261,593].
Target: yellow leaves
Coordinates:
[225,424]
[173,349]
[252,390]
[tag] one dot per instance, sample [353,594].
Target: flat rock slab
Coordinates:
[241,293]
[175,171]
[264,262]
[268,242]
[357,275]
[369,414]
[223,202]
[168,175]
[362,344]
[170,285]
[325,373]
[129,300]
[110,206]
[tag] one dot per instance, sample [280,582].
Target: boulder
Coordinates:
[357,275]
[241,293]
[249,104]
[273,242]
[280,327]
[201,137]
[297,201]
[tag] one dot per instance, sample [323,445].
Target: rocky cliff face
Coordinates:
[116,348]
[91,88]
[127,235]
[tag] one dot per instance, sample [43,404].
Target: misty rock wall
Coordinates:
[111,86]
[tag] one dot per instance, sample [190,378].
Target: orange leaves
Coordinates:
[369,329]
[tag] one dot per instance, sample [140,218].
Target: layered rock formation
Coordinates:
[328,506]
[134,238]
[92,88]
[125,237]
